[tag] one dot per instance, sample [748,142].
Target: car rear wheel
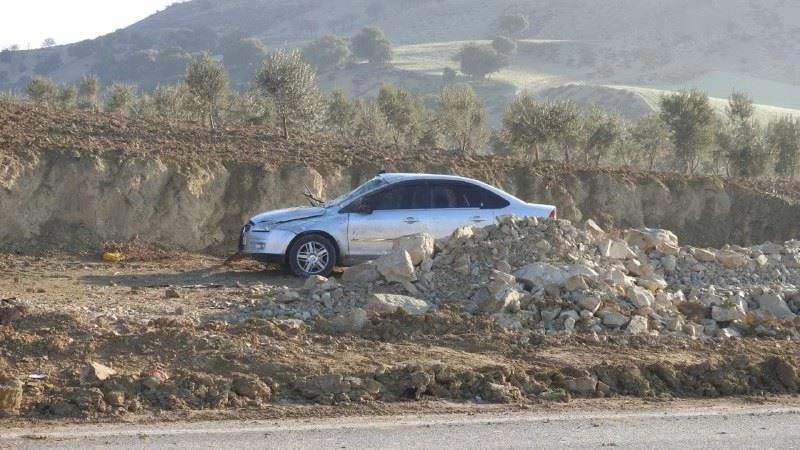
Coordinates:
[312,254]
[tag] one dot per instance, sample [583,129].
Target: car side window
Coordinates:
[458,194]
[403,196]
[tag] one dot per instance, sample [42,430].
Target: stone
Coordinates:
[616,249]
[590,303]
[594,229]
[775,305]
[364,273]
[576,283]
[396,267]
[389,303]
[727,313]
[95,372]
[648,239]
[351,322]
[728,333]
[652,283]
[703,255]
[637,325]
[507,278]
[584,271]
[669,263]
[640,297]
[582,385]
[419,246]
[115,398]
[313,282]
[730,259]
[251,387]
[616,278]
[549,316]
[694,330]
[540,274]
[611,318]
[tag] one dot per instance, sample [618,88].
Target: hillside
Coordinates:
[714,45]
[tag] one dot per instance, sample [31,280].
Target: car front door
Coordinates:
[394,211]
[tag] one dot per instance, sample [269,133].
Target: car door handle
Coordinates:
[410,220]
[479,219]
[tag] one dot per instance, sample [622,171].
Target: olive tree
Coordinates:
[783,139]
[88,91]
[747,151]
[207,83]
[291,84]
[513,23]
[41,90]
[371,44]
[403,111]
[461,118]
[690,119]
[120,97]
[480,60]
[525,123]
[327,52]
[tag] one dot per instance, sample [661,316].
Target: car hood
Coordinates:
[288,214]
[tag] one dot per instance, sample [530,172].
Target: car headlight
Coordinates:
[262,227]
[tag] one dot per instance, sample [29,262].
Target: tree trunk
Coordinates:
[285,128]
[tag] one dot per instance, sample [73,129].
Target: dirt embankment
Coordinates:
[69,181]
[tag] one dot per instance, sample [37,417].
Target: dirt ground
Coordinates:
[185,339]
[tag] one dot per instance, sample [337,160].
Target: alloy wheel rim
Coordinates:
[312,257]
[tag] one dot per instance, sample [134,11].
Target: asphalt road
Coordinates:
[755,427]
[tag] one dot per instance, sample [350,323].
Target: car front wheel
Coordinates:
[312,254]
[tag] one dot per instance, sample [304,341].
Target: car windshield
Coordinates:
[364,188]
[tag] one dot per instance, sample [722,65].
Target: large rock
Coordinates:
[640,297]
[616,249]
[362,273]
[396,267]
[541,274]
[730,259]
[637,325]
[727,312]
[647,239]
[704,255]
[96,372]
[419,246]
[775,305]
[389,303]
[611,318]
[582,385]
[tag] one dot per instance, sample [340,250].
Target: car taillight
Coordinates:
[553,214]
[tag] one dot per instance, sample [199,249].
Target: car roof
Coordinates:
[393,177]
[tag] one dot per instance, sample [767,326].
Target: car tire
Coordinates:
[312,254]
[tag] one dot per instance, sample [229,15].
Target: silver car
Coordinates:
[363,223]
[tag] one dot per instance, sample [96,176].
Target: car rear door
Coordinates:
[456,203]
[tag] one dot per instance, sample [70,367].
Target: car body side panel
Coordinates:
[371,234]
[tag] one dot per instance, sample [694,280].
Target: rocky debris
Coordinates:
[95,372]
[10,397]
[551,277]
[389,303]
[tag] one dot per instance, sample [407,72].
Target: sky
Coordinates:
[27,23]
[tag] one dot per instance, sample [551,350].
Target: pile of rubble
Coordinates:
[551,277]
